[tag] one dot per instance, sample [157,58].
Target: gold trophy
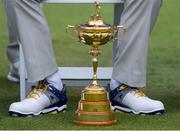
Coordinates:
[94,107]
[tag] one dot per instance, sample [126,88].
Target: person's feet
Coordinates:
[132,100]
[13,74]
[43,99]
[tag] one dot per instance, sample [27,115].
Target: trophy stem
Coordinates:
[95,53]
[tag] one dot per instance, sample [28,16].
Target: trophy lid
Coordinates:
[96,20]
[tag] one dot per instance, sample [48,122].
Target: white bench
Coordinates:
[71,76]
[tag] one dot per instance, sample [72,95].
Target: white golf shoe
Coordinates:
[132,100]
[44,98]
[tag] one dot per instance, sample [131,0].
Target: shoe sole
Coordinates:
[128,110]
[14,113]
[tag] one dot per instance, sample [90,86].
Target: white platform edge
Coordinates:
[83,1]
[84,72]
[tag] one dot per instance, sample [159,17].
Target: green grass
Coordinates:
[163,69]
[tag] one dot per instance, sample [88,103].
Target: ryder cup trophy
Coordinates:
[94,107]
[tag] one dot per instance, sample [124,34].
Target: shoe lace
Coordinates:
[123,87]
[140,93]
[38,90]
[135,90]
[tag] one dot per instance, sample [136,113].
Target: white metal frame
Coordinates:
[71,76]
[84,1]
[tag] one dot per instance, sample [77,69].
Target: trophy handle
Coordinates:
[73,28]
[122,27]
[69,27]
[123,31]
[81,39]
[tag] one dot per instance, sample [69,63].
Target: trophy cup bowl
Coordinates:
[94,108]
[95,36]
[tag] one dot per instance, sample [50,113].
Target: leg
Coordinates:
[130,51]
[35,39]
[13,47]
[33,34]
[129,58]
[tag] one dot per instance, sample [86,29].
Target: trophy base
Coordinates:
[94,108]
[104,123]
